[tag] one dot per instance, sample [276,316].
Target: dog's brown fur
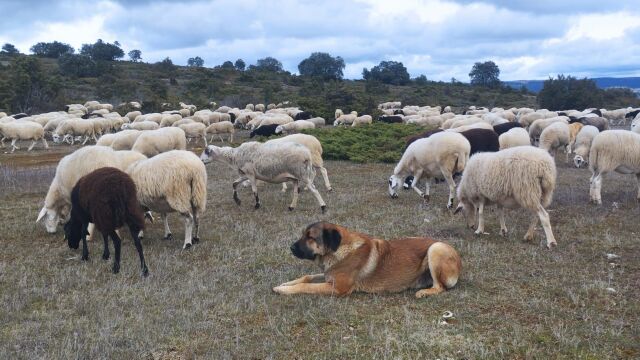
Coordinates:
[353,261]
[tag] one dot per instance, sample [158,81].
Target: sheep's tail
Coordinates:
[547,183]
[461,162]
[199,191]
[593,159]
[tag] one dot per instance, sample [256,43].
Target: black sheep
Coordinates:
[503,128]
[391,119]
[398,112]
[264,130]
[482,140]
[107,198]
[19,116]
[303,115]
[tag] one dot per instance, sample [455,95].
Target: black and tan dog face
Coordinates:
[317,239]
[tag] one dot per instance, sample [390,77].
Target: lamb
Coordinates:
[315,147]
[517,136]
[141,125]
[195,131]
[71,168]
[583,145]
[556,136]
[295,126]
[22,130]
[441,154]
[105,197]
[72,128]
[174,181]
[154,142]
[223,127]
[264,130]
[503,128]
[613,150]
[346,119]
[274,163]
[535,130]
[362,120]
[522,176]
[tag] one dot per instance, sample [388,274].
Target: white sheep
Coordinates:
[141,125]
[346,119]
[294,126]
[125,139]
[362,120]
[583,145]
[447,109]
[250,107]
[315,147]
[522,176]
[174,181]
[554,137]
[195,131]
[72,128]
[274,163]
[338,113]
[222,127]
[71,168]
[259,107]
[514,137]
[440,155]
[635,124]
[477,125]
[613,150]
[22,130]
[154,142]
[170,119]
[535,129]
[317,121]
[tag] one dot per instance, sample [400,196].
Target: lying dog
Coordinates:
[353,261]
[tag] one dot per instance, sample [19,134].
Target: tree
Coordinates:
[135,55]
[485,74]
[240,65]
[388,72]
[195,61]
[166,67]
[31,89]
[227,65]
[322,65]
[51,50]
[569,93]
[101,50]
[9,49]
[268,64]
[77,65]
[421,80]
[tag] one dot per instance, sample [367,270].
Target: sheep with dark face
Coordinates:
[391,119]
[303,115]
[503,128]
[107,198]
[264,130]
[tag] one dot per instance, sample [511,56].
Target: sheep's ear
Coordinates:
[42,213]
[458,209]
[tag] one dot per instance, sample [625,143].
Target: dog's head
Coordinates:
[317,239]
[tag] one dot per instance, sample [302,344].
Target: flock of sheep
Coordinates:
[513,166]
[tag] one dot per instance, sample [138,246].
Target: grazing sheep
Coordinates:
[264,130]
[346,119]
[425,134]
[393,119]
[315,147]
[105,197]
[303,115]
[613,150]
[536,128]
[517,136]
[503,128]
[174,181]
[170,119]
[317,121]
[295,126]
[72,128]
[183,122]
[125,139]
[71,168]
[522,176]
[274,163]
[141,125]
[477,125]
[574,129]
[338,113]
[362,120]
[269,120]
[482,140]
[556,136]
[583,145]
[441,154]
[153,142]
[195,131]
[223,127]
[22,130]
[601,123]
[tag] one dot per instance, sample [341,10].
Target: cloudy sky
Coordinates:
[528,39]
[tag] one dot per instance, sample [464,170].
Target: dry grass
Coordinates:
[515,299]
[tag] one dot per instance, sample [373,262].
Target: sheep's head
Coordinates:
[579,161]
[56,138]
[74,232]
[124,126]
[394,184]
[210,154]
[278,129]
[53,217]
[469,212]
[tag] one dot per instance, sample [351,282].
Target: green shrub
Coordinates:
[378,142]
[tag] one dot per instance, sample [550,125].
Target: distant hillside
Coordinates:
[605,82]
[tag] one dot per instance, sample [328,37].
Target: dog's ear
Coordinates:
[331,238]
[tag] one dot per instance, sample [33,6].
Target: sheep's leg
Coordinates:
[85,247]
[480,229]
[284,187]
[416,179]
[205,140]
[188,230]
[44,143]
[325,178]
[94,137]
[231,137]
[238,181]
[116,249]
[196,227]
[136,242]
[448,176]
[546,225]
[503,225]
[638,185]
[596,187]
[567,151]
[254,188]
[2,141]
[13,145]
[86,138]
[33,143]
[105,250]
[532,228]
[167,231]
[294,201]
[316,193]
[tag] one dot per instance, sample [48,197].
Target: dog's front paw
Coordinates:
[282,289]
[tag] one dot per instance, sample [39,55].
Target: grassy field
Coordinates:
[515,299]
